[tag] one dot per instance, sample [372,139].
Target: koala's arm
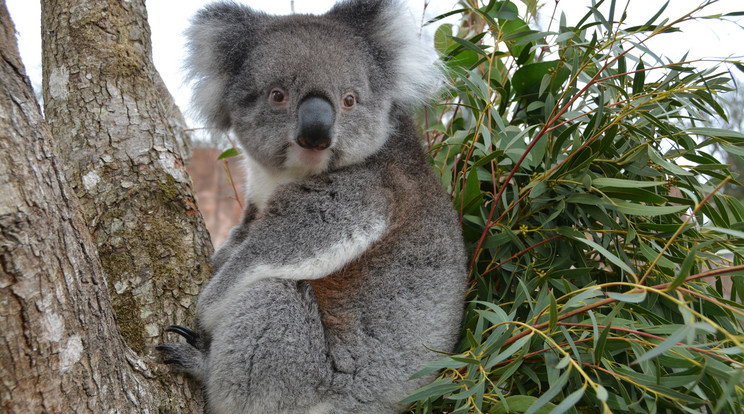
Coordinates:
[308,230]
[237,235]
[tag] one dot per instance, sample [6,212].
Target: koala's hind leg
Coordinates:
[269,353]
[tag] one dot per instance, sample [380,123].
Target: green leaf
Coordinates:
[651,255]
[464,59]
[602,394]
[644,210]
[445,15]
[639,80]
[634,194]
[508,352]
[434,366]
[469,45]
[467,393]
[584,198]
[550,393]
[602,340]
[436,389]
[739,66]
[519,404]
[673,340]
[505,10]
[443,38]
[602,182]
[666,164]
[651,21]
[684,271]
[737,136]
[507,372]
[471,190]
[733,149]
[232,152]
[730,232]
[604,252]
[499,316]
[569,401]
[622,69]
[628,297]
[528,78]
[582,298]
[488,158]
[553,314]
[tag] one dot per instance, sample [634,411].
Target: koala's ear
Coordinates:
[219,40]
[409,67]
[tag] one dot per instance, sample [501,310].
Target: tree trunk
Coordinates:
[120,141]
[61,350]
[118,134]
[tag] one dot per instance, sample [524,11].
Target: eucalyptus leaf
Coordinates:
[603,182]
[645,210]
[231,152]
[628,297]
[519,404]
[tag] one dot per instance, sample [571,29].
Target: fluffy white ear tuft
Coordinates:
[416,66]
[219,38]
[409,65]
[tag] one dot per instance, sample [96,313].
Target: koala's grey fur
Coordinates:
[349,262]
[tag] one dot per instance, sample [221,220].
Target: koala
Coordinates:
[348,269]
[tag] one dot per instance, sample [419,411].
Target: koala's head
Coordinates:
[307,93]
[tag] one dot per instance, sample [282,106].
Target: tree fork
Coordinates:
[121,146]
[122,141]
[61,350]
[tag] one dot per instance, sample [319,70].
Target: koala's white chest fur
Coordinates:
[261,182]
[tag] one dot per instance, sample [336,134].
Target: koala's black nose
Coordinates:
[315,118]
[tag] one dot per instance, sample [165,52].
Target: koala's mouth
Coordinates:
[310,160]
[313,155]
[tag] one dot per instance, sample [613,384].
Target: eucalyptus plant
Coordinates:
[607,270]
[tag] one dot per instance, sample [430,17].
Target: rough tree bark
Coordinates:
[119,135]
[61,350]
[120,138]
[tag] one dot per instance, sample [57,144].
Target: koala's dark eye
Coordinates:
[349,101]
[278,97]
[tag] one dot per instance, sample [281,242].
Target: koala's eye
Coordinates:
[349,101]
[278,97]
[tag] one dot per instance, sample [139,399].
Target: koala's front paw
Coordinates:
[188,357]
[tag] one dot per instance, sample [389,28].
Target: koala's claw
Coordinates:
[191,337]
